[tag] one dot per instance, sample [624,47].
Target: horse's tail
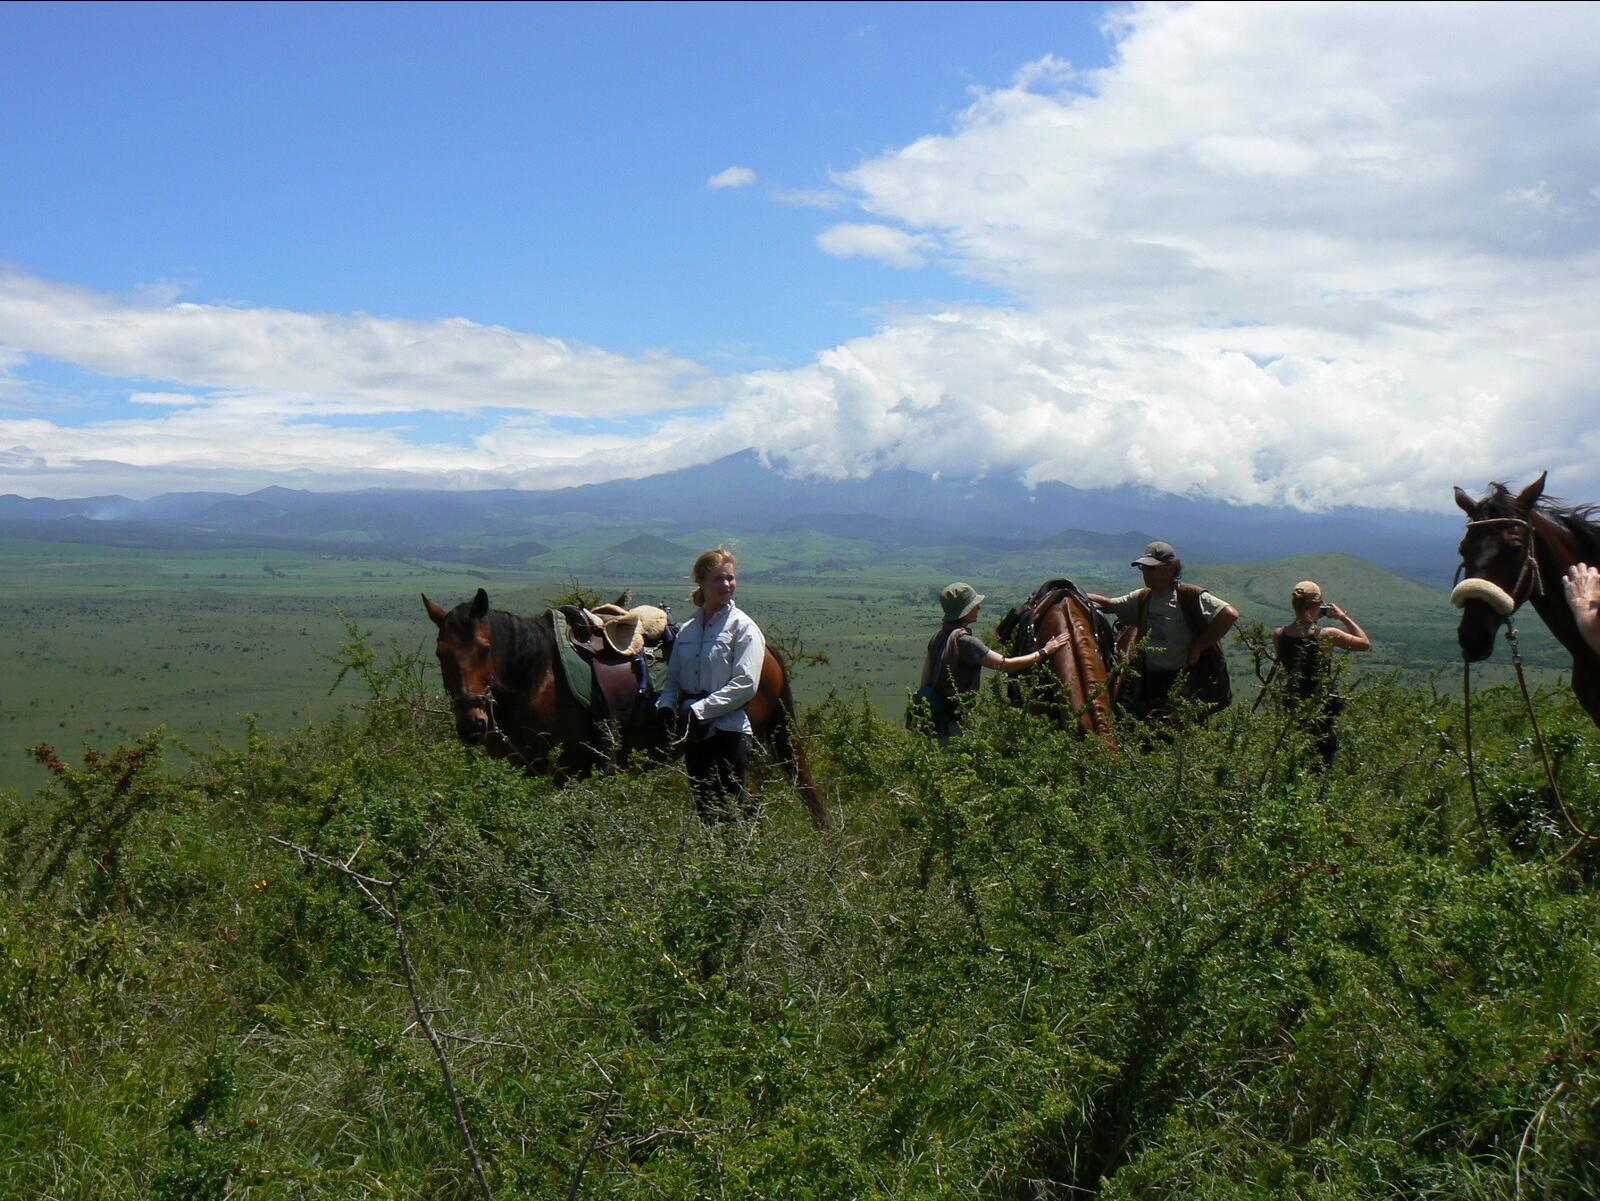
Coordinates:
[791,752]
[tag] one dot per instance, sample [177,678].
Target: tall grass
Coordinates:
[1025,967]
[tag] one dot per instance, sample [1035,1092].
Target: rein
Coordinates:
[485,700]
[1589,835]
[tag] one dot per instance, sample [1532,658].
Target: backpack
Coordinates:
[930,697]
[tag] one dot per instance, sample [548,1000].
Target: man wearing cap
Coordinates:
[1185,624]
[956,658]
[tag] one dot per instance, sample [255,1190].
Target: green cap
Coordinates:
[957,600]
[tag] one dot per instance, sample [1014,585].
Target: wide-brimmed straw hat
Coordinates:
[628,631]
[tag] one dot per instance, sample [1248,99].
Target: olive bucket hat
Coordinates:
[957,600]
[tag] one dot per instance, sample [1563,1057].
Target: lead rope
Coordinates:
[1472,771]
[494,729]
[1590,835]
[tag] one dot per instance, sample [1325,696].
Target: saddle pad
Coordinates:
[575,669]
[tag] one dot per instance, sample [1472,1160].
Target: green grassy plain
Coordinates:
[110,642]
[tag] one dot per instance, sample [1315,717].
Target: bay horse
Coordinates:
[511,697]
[1081,667]
[1516,549]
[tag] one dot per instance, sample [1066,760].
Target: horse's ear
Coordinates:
[1466,504]
[1530,495]
[437,612]
[480,606]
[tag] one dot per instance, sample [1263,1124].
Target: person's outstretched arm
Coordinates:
[995,661]
[1582,584]
[1352,637]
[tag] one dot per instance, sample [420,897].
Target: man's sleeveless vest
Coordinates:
[1208,679]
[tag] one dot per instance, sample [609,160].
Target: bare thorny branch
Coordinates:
[370,886]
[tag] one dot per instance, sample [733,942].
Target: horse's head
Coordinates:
[466,660]
[1498,568]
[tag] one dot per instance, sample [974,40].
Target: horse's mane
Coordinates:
[1581,522]
[523,647]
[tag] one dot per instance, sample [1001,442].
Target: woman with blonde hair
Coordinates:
[1304,650]
[712,676]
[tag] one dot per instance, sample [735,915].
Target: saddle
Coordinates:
[610,627]
[612,657]
[1022,619]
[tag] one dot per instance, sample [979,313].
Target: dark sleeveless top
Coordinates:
[1306,662]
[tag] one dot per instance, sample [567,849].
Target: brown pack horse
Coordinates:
[1080,667]
[511,697]
[1516,549]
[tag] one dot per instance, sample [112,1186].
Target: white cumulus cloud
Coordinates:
[732,177]
[351,363]
[1302,254]
[888,245]
[1275,253]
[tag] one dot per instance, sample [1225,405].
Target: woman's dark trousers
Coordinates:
[719,770]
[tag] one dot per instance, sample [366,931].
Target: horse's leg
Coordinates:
[560,738]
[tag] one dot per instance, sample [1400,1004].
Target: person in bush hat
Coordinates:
[1185,624]
[956,657]
[1304,652]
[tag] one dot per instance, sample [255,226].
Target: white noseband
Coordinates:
[1491,594]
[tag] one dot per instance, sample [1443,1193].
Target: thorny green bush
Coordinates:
[1025,967]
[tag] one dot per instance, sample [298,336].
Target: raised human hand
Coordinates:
[1582,585]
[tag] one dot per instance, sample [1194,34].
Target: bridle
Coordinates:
[467,701]
[1529,573]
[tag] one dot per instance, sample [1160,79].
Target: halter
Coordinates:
[1529,571]
[476,700]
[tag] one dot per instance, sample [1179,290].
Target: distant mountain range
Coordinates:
[743,494]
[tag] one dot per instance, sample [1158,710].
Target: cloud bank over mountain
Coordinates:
[1297,255]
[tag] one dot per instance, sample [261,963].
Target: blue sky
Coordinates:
[541,167]
[1285,254]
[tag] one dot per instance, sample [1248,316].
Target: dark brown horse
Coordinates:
[511,697]
[1080,667]
[1516,549]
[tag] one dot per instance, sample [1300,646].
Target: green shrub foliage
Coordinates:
[1025,967]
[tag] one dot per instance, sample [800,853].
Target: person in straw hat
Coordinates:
[1304,651]
[712,676]
[956,657]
